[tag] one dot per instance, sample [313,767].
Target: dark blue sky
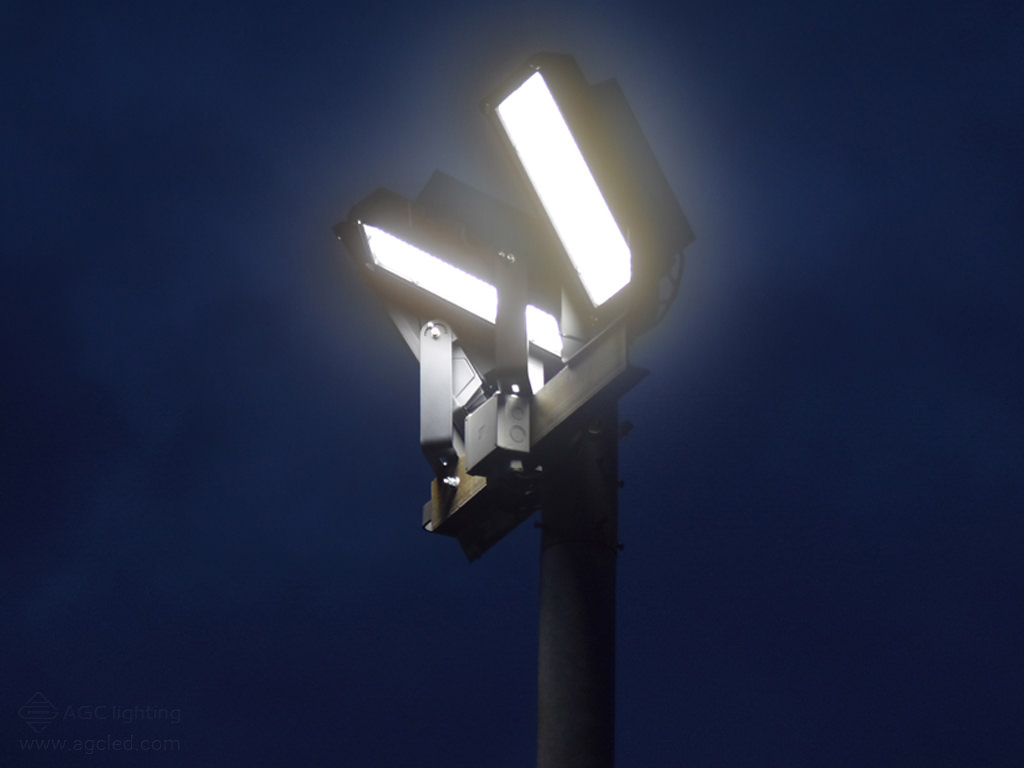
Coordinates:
[211,474]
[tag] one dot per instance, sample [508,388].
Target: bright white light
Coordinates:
[566,188]
[432,274]
[542,329]
[450,283]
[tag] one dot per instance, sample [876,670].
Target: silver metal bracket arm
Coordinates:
[436,399]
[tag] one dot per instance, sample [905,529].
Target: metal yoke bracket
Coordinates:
[511,347]
[481,510]
[499,430]
[436,429]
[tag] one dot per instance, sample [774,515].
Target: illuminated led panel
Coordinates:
[450,283]
[542,329]
[432,274]
[566,188]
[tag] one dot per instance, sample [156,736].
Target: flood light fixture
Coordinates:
[564,184]
[443,279]
[432,274]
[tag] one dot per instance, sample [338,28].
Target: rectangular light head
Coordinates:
[443,279]
[426,271]
[558,172]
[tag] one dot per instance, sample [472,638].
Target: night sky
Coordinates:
[211,476]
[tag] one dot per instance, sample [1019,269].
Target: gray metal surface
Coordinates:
[436,396]
[479,514]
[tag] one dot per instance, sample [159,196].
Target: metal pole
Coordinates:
[576,661]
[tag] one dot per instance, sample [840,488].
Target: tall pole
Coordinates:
[579,546]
